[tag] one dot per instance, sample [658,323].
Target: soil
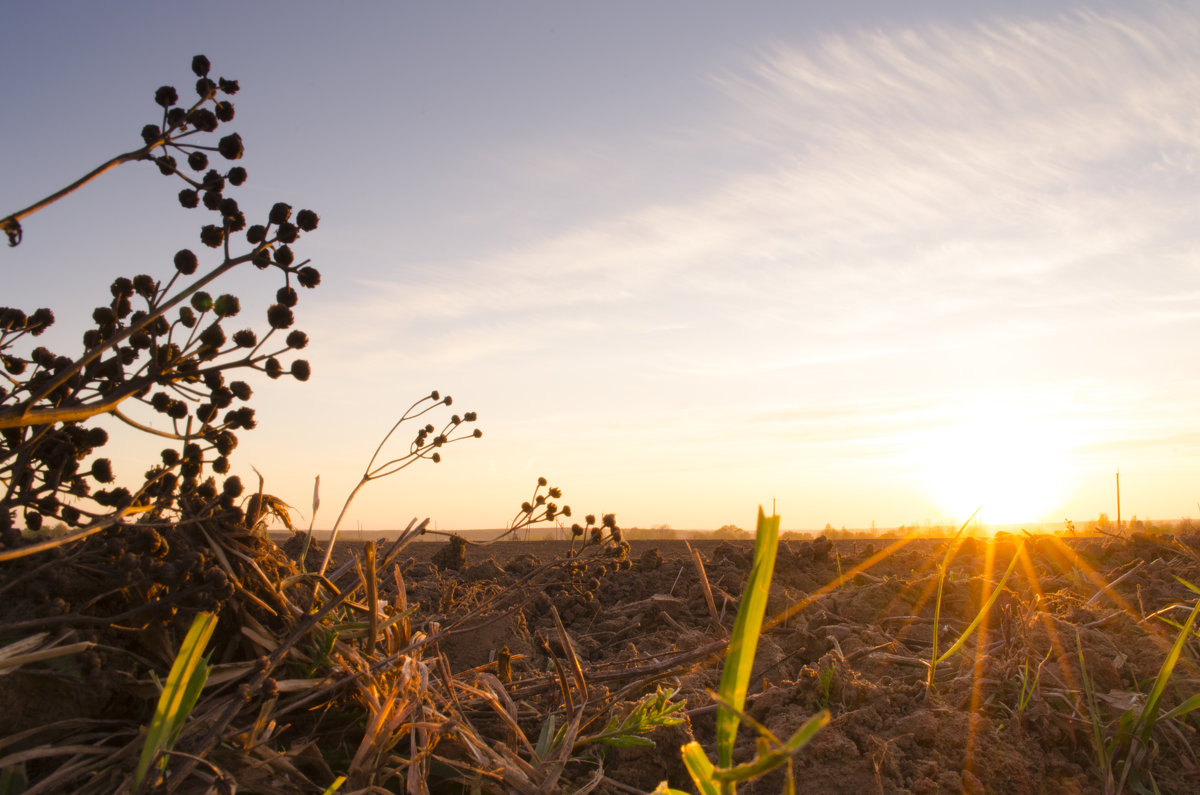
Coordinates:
[850,629]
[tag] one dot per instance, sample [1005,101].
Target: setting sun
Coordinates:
[1000,456]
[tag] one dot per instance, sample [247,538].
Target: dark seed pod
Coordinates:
[228,86]
[297,339]
[224,110]
[121,287]
[225,443]
[213,181]
[227,305]
[203,120]
[273,368]
[286,296]
[189,199]
[280,316]
[236,175]
[308,277]
[166,165]
[197,161]
[200,65]
[176,117]
[245,338]
[241,390]
[307,220]
[256,234]
[301,370]
[213,336]
[102,470]
[144,285]
[206,413]
[166,96]
[231,147]
[280,213]
[206,89]
[151,133]
[212,236]
[287,233]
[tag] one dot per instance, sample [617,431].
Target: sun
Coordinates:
[1004,456]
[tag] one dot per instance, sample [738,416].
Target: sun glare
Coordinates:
[997,455]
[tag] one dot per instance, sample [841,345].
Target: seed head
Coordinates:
[287,232]
[284,256]
[102,470]
[280,213]
[231,147]
[206,89]
[236,175]
[224,110]
[203,120]
[301,370]
[308,277]
[198,161]
[212,236]
[151,133]
[280,316]
[227,305]
[297,340]
[307,220]
[188,198]
[166,96]
[200,65]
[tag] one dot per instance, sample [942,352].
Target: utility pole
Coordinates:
[1118,501]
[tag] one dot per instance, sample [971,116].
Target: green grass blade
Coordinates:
[184,683]
[335,786]
[735,677]
[1187,706]
[937,603]
[1150,711]
[983,611]
[700,769]
[764,763]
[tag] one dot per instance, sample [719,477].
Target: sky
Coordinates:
[870,262]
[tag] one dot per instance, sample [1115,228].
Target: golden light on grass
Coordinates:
[998,454]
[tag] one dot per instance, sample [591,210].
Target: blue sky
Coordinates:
[879,262]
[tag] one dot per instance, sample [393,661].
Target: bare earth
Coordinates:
[850,628]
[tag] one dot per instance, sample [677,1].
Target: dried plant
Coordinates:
[159,350]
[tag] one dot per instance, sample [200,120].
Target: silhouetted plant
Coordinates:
[160,347]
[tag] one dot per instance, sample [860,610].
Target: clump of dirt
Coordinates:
[453,555]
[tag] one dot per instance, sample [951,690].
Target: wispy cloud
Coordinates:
[927,210]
